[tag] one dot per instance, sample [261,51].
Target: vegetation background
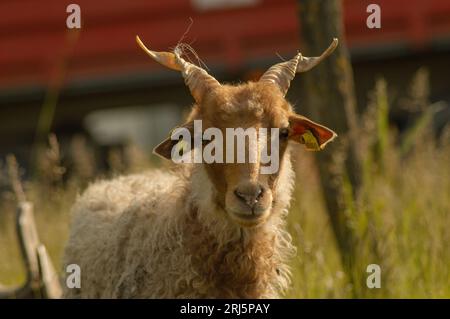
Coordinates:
[400,218]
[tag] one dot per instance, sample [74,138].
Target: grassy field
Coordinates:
[400,218]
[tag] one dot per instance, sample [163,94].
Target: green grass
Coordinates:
[401,223]
[400,219]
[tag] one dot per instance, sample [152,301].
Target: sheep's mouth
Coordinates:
[248,220]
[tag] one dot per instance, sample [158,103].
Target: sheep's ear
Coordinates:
[181,137]
[313,135]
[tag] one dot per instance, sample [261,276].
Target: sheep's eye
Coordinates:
[284,133]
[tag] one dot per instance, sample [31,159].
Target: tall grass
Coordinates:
[400,218]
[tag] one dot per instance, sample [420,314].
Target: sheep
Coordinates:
[198,230]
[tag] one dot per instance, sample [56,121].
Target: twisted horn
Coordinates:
[196,78]
[282,73]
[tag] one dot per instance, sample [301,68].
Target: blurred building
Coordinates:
[100,68]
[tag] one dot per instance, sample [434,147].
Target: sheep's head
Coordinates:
[245,188]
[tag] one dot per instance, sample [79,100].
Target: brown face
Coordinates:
[242,190]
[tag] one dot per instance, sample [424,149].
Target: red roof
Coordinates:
[35,44]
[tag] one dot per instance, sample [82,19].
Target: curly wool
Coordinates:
[160,235]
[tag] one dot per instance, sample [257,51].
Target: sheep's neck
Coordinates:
[240,267]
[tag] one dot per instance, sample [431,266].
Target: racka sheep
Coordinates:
[199,230]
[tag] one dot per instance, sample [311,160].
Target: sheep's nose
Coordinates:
[249,193]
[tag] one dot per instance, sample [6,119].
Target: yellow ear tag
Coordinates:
[310,141]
